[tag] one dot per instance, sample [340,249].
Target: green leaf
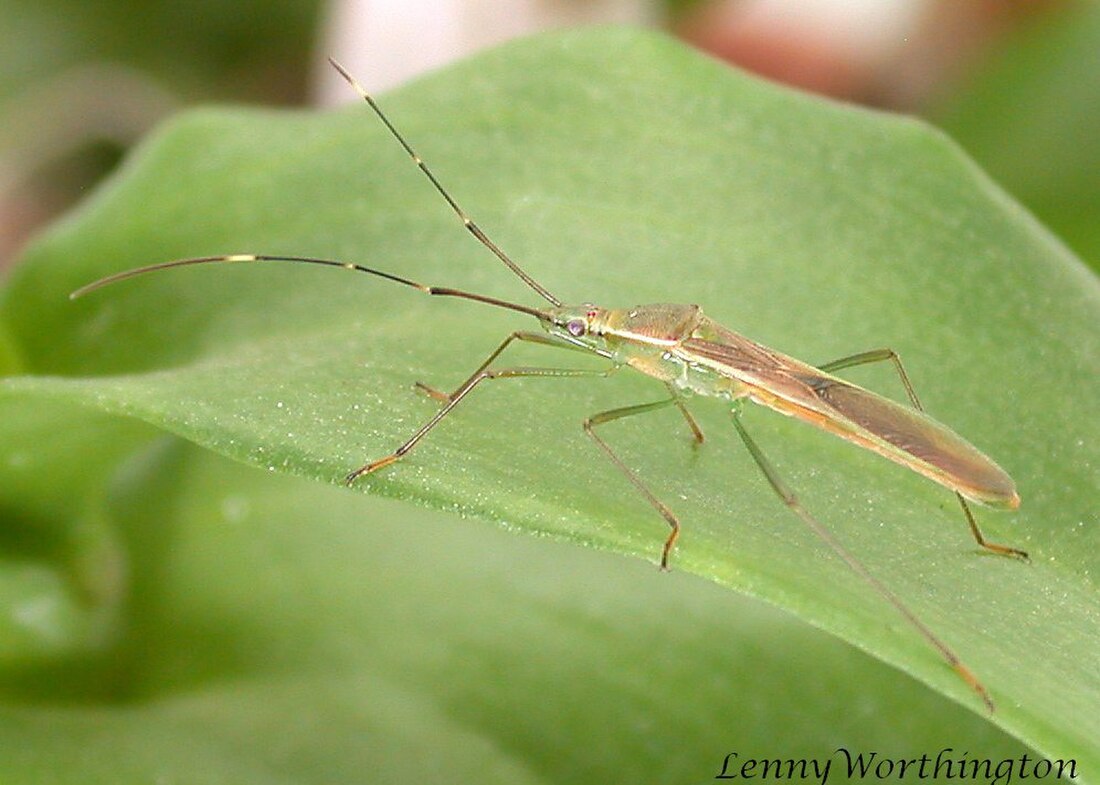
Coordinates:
[618,168]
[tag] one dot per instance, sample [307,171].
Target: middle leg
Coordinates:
[628,411]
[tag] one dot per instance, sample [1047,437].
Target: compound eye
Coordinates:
[576,327]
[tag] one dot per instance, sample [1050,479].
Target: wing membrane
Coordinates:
[900,433]
[919,436]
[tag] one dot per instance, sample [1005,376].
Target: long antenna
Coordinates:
[473,228]
[442,291]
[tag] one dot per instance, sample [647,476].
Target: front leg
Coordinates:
[518,335]
[482,373]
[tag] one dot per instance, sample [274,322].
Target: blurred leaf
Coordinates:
[216,48]
[620,168]
[1030,115]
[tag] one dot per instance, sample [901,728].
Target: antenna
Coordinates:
[472,227]
[443,291]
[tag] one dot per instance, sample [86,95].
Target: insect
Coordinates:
[690,353]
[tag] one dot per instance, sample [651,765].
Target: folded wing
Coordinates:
[902,434]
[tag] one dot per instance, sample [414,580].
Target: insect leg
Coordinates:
[519,335]
[478,376]
[791,501]
[696,431]
[881,355]
[616,414]
[877,356]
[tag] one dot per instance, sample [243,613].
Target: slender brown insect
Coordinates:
[690,353]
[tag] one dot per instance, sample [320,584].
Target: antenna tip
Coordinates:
[339,68]
[76,294]
[351,80]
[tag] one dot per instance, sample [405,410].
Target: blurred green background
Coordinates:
[1014,81]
